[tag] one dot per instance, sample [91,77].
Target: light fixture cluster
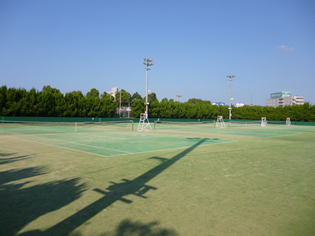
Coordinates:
[148,62]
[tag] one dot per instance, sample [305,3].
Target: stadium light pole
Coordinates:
[147,62]
[230,107]
[120,105]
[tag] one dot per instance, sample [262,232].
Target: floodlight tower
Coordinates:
[230,107]
[147,62]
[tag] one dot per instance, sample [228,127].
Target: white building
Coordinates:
[113,92]
[239,104]
[218,103]
[282,99]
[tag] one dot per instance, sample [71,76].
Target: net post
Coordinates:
[75,127]
[131,124]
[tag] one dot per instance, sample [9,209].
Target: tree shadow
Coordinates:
[116,192]
[11,159]
[13,175]
[135,228]
[20,205]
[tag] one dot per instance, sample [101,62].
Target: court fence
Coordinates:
[135,120]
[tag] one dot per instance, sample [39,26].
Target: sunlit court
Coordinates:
[178,179]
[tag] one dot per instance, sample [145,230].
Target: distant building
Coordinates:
[282,99]
[218,103]
[113,92]
[239,104]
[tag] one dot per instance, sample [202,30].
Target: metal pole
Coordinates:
[120,105]
[230,106]
[147,96]
[129,109]
[147,62]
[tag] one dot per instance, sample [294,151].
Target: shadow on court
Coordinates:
[20,205]
[128,227]
[11,159]
[118,192]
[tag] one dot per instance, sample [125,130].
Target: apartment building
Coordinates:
[282,99]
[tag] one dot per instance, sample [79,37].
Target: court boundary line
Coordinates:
[246,129]
[69,142]
[75,150]
[130,153]
[228,141]
[63,147]
[88,145]
[288,133]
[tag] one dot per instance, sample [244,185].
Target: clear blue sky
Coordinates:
[79,45]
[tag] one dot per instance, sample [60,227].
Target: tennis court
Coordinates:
[179,179]
[242,130]
[113,145]
[109,139]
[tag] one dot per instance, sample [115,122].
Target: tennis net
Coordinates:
[158,124]
[244,123]
[34,127]
[249,123]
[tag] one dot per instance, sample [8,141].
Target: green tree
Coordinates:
[51,102]
[138,107]
[93,93]
[136,96]
[48,100]
[48,88]
[125,97]
[197,100]
[28,103]
[152,97]
[3,98]
[106,95]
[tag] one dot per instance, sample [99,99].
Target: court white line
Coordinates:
[282,135]
[89,145]
[72,143]
[128,138]
[62,147]
[228,141]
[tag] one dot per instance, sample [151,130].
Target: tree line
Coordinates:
[50,102]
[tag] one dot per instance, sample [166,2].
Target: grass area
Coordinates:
[171,181]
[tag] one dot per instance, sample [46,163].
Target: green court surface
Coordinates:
[264,133]
[255,131]
[105,144]
[110,180]
[70,127]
